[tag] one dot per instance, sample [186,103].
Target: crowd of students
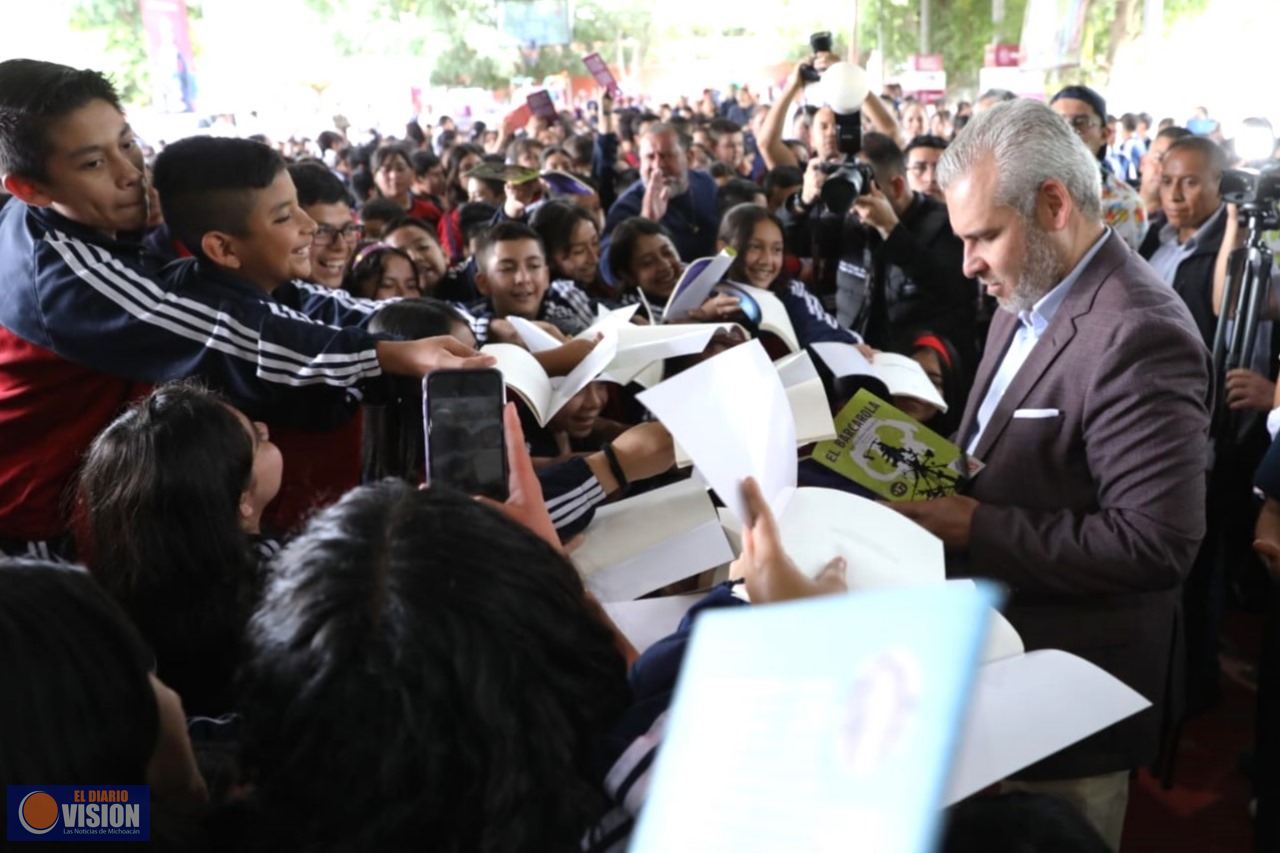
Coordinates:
[210,398]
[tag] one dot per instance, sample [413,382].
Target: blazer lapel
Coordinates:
[999,336]
[1054,340]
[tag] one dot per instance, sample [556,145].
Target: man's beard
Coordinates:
[1042,270]
[677,185]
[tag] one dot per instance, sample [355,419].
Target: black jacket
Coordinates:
[912,281]
[1194,278]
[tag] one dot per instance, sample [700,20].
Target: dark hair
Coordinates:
[1091,97]
[998,95]
[77,701]
[736,228]
[209,183]
[925,140]
[506,231]
[444,656]
[362,186]
[1019,823]
[390,151]
[956,376]
[317,185]
[453,158]
[474,218]
[1211,150]
[622,246]
[554,222]
[1173,132]
[392,439]
[157,523]
[783,176]
[413,131]
[736,191]
[720,169]
[581,149]
[549,151]
[423,161]
[381,208]
[719,127]
[520,146]
[329,139]
[410,222]
[33,96]
[366,266]
[1129,122]
[886,158]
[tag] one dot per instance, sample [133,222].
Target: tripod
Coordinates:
[1244,300]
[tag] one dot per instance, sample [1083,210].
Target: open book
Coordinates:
[765,311]
[638,347]
[640,544]
[545,395]
[884,449]
[902,375]
[695,285]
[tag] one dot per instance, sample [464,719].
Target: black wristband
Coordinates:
[615,467]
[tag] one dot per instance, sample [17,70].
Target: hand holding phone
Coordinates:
[466,448]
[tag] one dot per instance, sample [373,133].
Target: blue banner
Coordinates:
[78,813]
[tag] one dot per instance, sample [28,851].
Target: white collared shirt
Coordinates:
[1031,326]
[1166,259]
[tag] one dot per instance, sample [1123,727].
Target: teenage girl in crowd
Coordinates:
[379,271]
[170,506]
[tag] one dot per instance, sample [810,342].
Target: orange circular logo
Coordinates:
[38,812]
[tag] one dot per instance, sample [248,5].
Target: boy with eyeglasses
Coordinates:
[322,196]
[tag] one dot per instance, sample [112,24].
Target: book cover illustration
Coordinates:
[887,451]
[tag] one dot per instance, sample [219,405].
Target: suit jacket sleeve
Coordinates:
[1144,428]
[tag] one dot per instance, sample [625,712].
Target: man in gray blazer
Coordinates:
[1090,410]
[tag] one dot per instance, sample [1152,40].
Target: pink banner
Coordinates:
[173,87]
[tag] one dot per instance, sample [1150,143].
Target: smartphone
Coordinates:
[465,443]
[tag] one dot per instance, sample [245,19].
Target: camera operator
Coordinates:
[891,259]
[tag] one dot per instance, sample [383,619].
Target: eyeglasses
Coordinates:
[1083,122]
[326,234]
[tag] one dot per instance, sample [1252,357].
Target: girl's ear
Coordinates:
[720,244]
[246,503]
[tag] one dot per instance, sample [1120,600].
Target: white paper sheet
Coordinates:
[773,315]
[640,544]
[536,338]
[649,620]
[731,415]
[1028,707]
[901,374]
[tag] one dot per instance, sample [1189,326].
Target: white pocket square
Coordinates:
[1036,413]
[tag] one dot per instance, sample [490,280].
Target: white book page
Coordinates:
[730,413]
[843,359]
[640,544]
[1028,707]
[649,620]
[536,338]
[904,377]
[586,371]
[522,373]
[773,315]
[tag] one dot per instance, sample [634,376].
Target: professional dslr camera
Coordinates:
[1256,192]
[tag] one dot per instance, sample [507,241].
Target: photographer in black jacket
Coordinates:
[891,261]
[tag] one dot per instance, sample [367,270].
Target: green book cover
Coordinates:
[889,452]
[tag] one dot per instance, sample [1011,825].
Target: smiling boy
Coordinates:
[84,315]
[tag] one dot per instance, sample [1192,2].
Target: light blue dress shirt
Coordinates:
[1031,325]
[1166,259]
